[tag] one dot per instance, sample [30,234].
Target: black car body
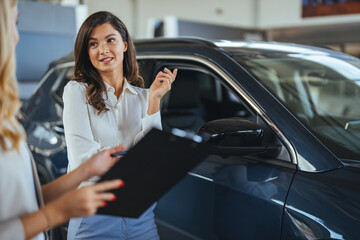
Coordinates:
[283,120]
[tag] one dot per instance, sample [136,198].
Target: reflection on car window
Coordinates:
[59,86]
[322,91]
[43,104]
[197,97]
[39,106]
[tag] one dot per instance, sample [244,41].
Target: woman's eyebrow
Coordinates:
[110,35]
[107,36]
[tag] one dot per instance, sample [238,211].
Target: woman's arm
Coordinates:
[78,131]
[160,86]
[76,203]
[63,184]
[64,201]
[97,165]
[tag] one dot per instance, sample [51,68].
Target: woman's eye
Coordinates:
[111,40]
[92,44]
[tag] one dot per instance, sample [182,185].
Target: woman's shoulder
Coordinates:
[74,90]
[75,86]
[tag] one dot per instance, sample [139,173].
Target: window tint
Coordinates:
[45,104]
[198,97]
[58,88]
[323,92]
[40,106]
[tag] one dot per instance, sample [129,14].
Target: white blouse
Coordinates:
[86,132]
[17,192]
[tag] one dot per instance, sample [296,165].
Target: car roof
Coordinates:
[267,48]
[233,48]
[65,59]
[242,47]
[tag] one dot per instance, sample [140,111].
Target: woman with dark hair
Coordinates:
[106,104]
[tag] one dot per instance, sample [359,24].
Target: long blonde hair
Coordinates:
[11,132]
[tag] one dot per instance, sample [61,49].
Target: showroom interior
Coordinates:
[48,23]
[256,135]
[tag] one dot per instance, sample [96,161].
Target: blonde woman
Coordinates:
[23,214]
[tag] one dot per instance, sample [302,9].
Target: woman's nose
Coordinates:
[104,48]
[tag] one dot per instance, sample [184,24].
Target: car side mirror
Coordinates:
[235,136]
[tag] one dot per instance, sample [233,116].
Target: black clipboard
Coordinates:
[149,169]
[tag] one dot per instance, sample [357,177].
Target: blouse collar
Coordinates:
[127,86]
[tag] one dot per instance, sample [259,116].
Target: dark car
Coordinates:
[283,121]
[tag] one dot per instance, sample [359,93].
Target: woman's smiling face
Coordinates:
[106,48]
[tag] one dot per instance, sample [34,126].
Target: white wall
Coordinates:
[124,9]
[277,15]
[136,13]
[233,13]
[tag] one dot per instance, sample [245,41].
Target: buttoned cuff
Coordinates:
[151,121]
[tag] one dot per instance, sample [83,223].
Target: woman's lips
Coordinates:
[106,60]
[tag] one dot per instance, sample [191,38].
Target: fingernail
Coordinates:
[121,184]
[113,198]
[105,204]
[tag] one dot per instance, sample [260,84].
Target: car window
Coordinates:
[199,96]
[323,92]
[58,88]
[41,106]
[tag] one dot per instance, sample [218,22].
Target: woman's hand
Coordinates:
[64,201]
[160,86]
[162,83]
[82,202]
[75,203]
[101,162]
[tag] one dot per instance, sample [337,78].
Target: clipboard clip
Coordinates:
[186,134]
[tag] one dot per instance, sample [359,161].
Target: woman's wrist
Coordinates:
[40,221]
[154,104]
[84,170]
[47,218]
[54,213]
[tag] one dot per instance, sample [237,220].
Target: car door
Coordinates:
[227,196]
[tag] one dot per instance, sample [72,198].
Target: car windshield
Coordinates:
[321,90]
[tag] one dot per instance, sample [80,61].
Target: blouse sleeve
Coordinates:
[148,121]
[78,134]
[12,229]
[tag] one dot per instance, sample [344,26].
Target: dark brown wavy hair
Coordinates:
[84,70]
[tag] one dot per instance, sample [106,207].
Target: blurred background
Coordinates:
[48,28]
